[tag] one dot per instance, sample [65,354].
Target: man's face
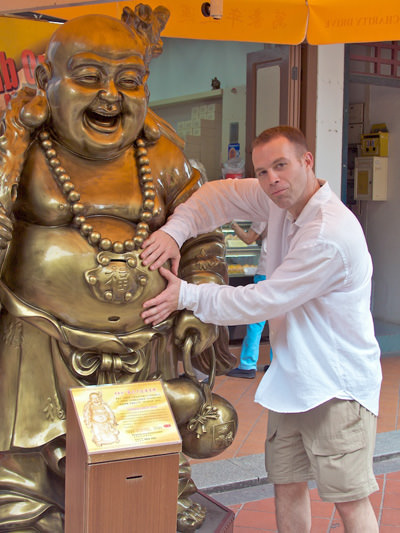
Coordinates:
[97,95]
[284,173]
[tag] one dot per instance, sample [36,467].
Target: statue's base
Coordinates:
[219,519]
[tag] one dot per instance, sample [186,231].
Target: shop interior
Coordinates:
[371,96]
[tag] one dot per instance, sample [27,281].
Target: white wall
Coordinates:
[234,110]
[381,220]
[329,130]
[187,66]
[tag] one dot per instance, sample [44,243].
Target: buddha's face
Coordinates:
[96,398]
[96,87]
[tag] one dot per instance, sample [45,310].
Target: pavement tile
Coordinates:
[260,519]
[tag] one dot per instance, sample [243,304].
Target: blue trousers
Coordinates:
[251,343]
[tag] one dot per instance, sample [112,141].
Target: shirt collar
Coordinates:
[320,197]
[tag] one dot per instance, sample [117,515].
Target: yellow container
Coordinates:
[375,144]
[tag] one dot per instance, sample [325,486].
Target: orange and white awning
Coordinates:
[269,21]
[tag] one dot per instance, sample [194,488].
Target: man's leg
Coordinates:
[358,516]
[289,469]
[340,437]
[293,508]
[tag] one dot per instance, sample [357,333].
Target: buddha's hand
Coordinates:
[203,335]
[27,111]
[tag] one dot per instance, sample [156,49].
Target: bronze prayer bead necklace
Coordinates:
[70,193]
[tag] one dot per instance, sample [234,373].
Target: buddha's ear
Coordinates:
[42,75]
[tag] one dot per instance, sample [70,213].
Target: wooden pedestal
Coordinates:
[124,491]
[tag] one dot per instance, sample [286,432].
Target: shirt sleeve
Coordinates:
[215,204]
[306,273]
[258,227]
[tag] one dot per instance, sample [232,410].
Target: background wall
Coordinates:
[194,64]
[187,66]
[381,220]
[329,130]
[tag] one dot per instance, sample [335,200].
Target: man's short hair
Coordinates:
[293,135]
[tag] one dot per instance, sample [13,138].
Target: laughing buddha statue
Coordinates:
[87,172]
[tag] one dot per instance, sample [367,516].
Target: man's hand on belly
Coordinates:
[159,308]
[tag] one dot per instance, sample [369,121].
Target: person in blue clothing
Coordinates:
[251,343]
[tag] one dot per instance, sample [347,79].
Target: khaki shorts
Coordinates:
[332,444]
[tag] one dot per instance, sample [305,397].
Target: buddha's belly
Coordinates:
[57,270]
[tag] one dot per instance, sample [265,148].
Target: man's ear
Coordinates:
[42,75]
[309,159]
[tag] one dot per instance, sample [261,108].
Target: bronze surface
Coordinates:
[87,172]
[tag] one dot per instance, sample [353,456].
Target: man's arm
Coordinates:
[246,236]
[302,276]
[214,204]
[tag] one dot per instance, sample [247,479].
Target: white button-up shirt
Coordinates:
[316,296]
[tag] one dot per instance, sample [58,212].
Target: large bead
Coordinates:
[78,221]
[54,162]
[132,262]
[144,160]
[68,187]
[77,208]
[86,229]
[94,237]
[146,216]
[142,233]
[63,178]
[129,245]
[149,195]
[143,225]
[118,247]
[59,170]
[47,144]
[74,197]
[145,169]
[51,153]
[105,244]
[149,205]
[141,152]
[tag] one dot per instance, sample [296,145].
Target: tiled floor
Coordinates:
[259,515]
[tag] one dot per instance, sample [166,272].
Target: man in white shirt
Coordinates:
[322,388]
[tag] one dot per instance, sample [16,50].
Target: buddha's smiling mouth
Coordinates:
[102,120]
